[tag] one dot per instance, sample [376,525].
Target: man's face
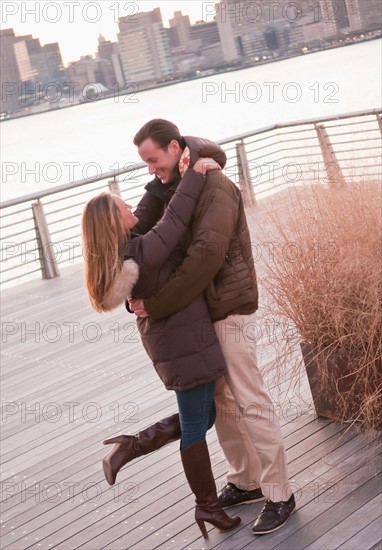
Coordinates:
[161,162]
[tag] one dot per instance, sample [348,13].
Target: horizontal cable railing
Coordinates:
[41,231]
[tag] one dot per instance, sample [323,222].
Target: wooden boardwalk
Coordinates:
[72,377]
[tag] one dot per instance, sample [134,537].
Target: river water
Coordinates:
[50,149]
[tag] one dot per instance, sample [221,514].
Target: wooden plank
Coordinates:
[75,455]
[21,420]
[105,421]
[160,535]
[368,537]
[321,454]
[306,512]
[77,520]
[354,511]
[49,464]
[142,468]
[50,469]
[317,494]
[236,539]
[330,517]
[48,479]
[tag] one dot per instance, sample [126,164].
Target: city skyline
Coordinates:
[80,23]
[76,26]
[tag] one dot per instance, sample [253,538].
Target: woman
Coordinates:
[185,352]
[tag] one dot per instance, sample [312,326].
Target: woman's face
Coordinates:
[127,217]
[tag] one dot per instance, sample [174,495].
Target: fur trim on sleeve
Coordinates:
[123,285]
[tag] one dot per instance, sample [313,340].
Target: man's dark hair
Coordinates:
[160,131]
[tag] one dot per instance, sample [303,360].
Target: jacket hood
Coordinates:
[200,147]
[123,285]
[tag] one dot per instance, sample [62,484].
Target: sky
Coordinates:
[76,24]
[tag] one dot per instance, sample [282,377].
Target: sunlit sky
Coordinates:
[76,24]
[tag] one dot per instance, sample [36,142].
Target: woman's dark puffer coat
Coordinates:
[183,348]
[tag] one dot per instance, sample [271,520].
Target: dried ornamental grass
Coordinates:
[326,277]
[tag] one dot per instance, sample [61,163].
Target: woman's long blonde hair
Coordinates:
[104,239]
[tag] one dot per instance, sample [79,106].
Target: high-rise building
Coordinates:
[38,64]
[347,15]
[371,14]
[182,24]
[144,47]
[54,62]
[247,28]
[316,24]
[28,61]
[211,56]
[33,50]
[238,28]
[207,32]
[336,17]
[326,19]
[23,61]
[9,73]
[83,72]
[202,49]
[109,52]
[173,37]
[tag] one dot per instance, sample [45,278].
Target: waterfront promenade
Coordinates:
[72,377]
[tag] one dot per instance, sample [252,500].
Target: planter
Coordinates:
[337,394]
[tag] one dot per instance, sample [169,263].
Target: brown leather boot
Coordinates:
[128,447]
[197,467]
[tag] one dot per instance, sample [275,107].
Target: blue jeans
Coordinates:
[196,413]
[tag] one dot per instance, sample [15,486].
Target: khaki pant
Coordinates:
[246,423]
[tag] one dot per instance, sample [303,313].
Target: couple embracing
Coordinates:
[181,263]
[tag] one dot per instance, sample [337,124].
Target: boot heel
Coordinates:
[108,471]
[202,528]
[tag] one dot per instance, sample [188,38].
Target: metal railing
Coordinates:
[40,235]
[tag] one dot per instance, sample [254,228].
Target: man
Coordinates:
[218,262]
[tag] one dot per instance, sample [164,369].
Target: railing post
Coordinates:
[379,119]
[245,182]
[114,187]
[47,256]
[336,179]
